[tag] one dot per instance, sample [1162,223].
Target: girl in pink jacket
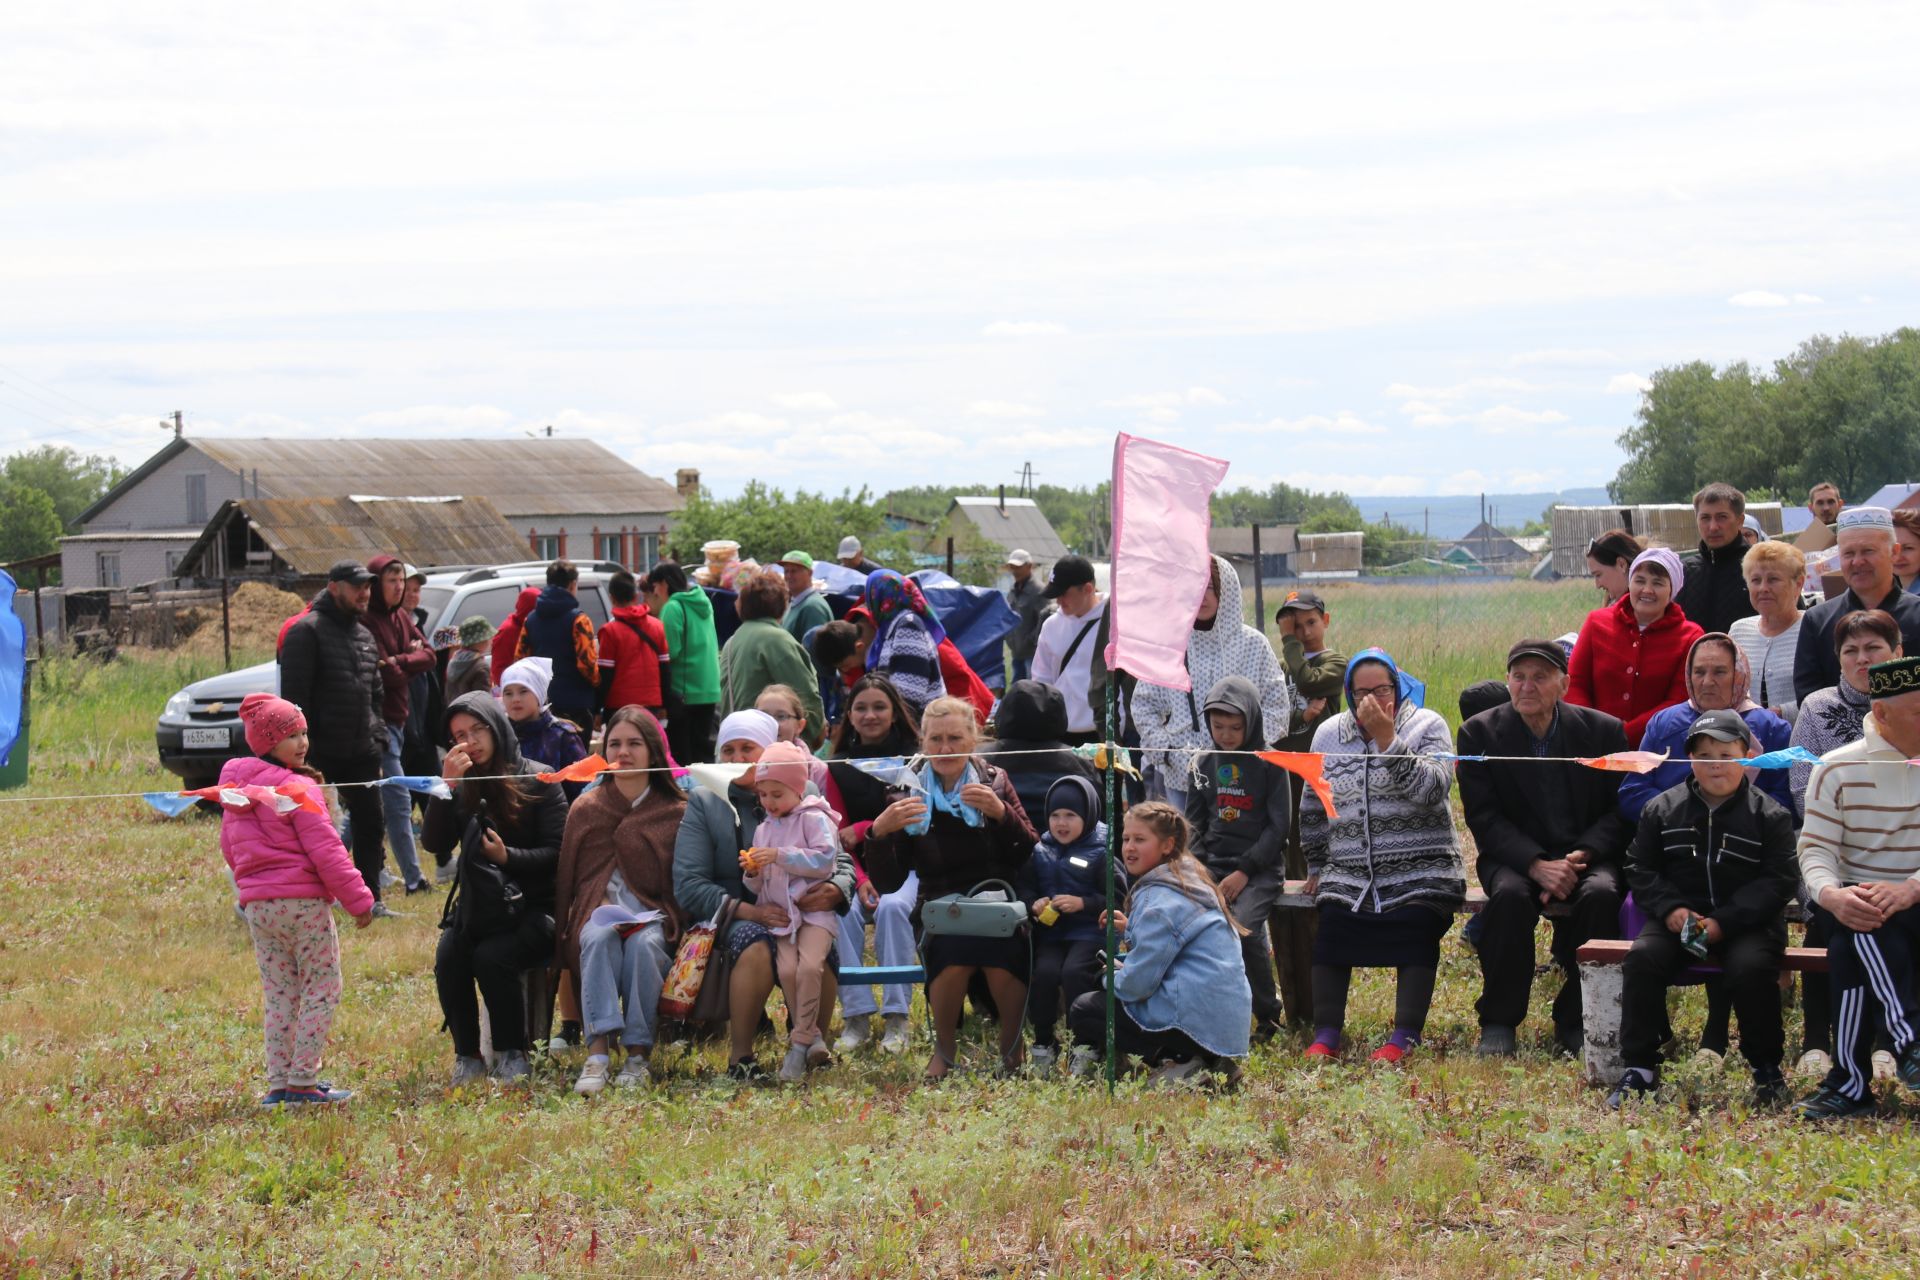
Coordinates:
[289,867]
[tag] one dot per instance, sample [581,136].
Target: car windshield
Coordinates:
[434,601]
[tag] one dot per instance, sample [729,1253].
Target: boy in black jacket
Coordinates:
[1713,866]
[1239,808]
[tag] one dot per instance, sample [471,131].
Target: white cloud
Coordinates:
[1023,329]
[1344,423]
[1566,356]
[1002,409]
[806,401]
[1076,438]
[1505,418]
[438,417]
[1758,298]
[1361,484]
[1459,390]
[1806,300]
[1205,395]
[1628,384]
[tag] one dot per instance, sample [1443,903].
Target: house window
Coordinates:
[108,565]
[648,552]
[612,547]
[197,498]
[546,546]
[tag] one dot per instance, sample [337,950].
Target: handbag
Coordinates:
[983,912]
[485,900]
[695,989]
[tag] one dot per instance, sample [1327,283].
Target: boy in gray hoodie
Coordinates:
[1239,808]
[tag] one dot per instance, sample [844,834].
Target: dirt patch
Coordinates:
[256,612]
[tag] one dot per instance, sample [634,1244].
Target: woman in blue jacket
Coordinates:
[1184,1002]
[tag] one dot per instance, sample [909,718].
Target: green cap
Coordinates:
[800,558]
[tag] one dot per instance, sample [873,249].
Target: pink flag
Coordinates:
[1160,556]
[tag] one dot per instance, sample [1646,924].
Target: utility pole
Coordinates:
[179,427]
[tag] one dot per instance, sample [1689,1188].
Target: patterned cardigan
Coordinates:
[1393,844]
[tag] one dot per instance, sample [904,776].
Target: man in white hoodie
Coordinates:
[1173,722]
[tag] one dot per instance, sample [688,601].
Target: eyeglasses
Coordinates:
[466,736]
[1371,692]
[782,717]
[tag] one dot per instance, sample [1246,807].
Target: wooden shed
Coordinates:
[1670,524]
[292,540]
[1328,555]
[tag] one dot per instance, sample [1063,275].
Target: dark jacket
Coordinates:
[1324,675]
[552,744]
[953,857]
[1028,603]
[1519,810]
[1735,864]
[394,632]
[1033,717]
[330,669]
[706,853]
[533,839]
[549,633]
[1715,592]
[1816,664]
[1239,807]
[1078,870]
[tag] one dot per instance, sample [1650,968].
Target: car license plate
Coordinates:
[197,738]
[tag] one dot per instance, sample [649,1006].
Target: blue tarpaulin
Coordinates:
[13,668]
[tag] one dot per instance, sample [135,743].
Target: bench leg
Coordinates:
[1602,990]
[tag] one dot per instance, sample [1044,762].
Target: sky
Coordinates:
[1388,249]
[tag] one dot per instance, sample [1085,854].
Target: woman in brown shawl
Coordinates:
[617,921]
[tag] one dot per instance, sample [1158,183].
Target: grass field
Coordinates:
[129,1144]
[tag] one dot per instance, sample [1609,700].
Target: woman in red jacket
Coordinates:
[1631,657]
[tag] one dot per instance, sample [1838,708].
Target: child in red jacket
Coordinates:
[1631,658]
[289,867]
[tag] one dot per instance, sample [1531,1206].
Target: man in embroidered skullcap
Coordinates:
[1860,860]
[1865,536]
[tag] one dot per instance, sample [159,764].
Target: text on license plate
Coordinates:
[191,738]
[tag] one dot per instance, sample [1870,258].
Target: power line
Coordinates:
[21,377]
[64,428]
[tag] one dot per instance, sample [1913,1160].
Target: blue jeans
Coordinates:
[892,944]
[397,804]
[622,973]
[1022,669]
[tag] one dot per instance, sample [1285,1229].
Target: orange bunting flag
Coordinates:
[1310,765]
[1625,761]
[579,771]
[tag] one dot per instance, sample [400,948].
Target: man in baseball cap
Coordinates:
[1550,839]
[1068,653]
[806,607]
[1028,604]
[855,558]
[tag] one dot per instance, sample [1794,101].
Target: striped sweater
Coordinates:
[1859,818]
[1393,844]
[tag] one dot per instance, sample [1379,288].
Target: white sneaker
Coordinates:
[388,879]
[1083,1063]
[446,871]
[1043,1057]
[1814,1062]
[634,1073]
[894,1038]
[1177,1074]
[1709,1057]
[1884,1067]
[856,1033]
[793,1068]
[593,1076]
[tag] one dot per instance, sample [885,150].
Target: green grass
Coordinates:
[129,1144]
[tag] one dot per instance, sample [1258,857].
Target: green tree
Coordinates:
[767,524]
[29,525]
[72,480]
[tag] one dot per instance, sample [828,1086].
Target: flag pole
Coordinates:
[1113,851]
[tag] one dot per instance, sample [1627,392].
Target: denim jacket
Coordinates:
[1184,971]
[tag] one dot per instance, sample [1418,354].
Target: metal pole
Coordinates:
[949,557]
[226,621]
[1259,594]
[39,625]
[1113,851]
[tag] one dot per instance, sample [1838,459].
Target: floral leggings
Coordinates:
[299,955]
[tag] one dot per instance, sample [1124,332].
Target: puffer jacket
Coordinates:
[1030,724]
[1715,591]
[1735,864]
[285,855]
[1173,728]
[330,669]
[1077,870]
[533,842]
[1184,970]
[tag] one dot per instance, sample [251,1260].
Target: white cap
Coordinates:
[1864,518]
[849,548]
[1018,557]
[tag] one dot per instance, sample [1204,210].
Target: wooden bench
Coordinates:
[1603,989]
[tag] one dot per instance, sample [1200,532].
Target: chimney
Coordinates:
[1003,499]
[687,481]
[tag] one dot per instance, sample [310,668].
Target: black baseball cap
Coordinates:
[1724,726]
[350,571]
[1068,572]
[1548,651]
[1310,601]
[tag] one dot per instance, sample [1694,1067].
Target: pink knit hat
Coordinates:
[786,764]
[269,720]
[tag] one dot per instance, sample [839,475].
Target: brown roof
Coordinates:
[522,477]
[310,534]
[1275,540]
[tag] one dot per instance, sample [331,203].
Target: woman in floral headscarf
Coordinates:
[911,647]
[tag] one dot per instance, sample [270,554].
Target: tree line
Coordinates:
[42,493]
[1845,410]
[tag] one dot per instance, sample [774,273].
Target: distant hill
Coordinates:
[1453,515]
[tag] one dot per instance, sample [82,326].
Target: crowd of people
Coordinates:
[815,777]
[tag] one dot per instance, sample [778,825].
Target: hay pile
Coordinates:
[256,612]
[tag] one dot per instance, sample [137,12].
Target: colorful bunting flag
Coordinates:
[579,771]
[1625,761]
[1310,765]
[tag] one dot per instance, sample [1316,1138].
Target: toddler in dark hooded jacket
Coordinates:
[1238,808]
[1064,885]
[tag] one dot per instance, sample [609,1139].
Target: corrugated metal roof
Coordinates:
[1021,524]
[524,477]
[1275,540]
[310,534]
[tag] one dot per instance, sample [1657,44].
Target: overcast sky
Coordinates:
[1422,251]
